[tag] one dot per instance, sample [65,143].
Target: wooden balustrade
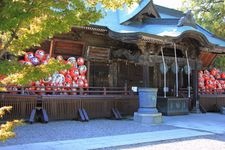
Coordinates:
[64,90]
[211,91]
[97,101]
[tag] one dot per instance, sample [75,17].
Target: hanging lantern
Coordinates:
[161,67]
[173,68]
[186,70]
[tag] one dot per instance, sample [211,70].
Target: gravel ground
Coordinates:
[67,130]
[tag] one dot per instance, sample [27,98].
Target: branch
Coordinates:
[13,35]
[218,1]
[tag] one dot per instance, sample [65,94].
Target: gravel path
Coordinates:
[66,130]
[70,130]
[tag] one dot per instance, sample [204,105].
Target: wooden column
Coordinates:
[88,71]
[115,73]
[195,89]
[155,76]
[51,48]
[111,74]
[146,76]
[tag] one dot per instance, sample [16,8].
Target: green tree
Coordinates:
[6,130]
[27,23]
[220,62]
[208,13]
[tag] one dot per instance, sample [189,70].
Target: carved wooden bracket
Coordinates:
[142,46]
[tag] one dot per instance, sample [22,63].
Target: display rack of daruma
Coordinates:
[210,81]
[70,79]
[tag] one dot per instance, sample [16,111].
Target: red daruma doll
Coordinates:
[28,56]
[72,61]
[80,61]
[35,61]
[82,69]
[80,83]
[40,54]
[74,72]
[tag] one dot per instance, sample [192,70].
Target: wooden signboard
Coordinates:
[98,53]
[67,47]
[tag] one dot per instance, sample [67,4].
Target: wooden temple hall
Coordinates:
[144,46]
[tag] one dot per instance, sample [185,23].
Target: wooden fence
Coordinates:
[21,105]
[64,104]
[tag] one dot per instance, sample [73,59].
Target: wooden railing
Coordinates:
[62,103]
[64,90]
[211,91]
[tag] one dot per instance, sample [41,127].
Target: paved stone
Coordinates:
[193,144]
[211,122]
[109,141]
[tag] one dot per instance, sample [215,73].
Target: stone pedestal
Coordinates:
[155,118]
[147,112]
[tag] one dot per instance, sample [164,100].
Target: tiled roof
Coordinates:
[165,26]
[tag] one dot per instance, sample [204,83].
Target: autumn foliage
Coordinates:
[6,129]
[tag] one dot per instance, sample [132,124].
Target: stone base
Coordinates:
[196,110]
[171,106]
[222,110]
[155,118]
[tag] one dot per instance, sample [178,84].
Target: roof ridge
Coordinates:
[169,8]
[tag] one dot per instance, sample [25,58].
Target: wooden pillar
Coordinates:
[146,76]
[115,73]
[111,74]
[195,89]
[88,71]
[155,76]
[51,48]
